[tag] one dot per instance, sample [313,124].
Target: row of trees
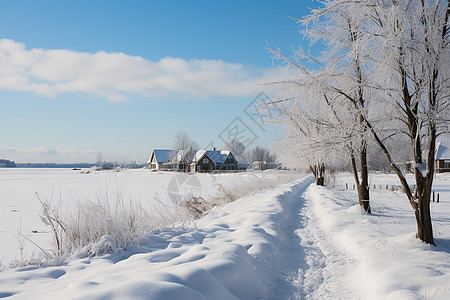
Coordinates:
[101,164]
[244,155]
[383,78]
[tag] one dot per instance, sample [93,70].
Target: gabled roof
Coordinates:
[161,155]
[443,152]
[218,157]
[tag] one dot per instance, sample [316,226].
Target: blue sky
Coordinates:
[121,77]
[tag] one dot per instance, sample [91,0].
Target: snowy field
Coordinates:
[65,189]
[294,241]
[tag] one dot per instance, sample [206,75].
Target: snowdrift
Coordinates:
[233,253]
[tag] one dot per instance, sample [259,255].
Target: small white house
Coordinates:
[160,159]
[442,158]
[259,165]
[166,159]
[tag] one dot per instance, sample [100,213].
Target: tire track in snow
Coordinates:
[311,267]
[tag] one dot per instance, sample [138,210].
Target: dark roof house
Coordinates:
[212,160]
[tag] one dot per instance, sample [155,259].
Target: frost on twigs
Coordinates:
[110,224]
[197,206]
[107,243]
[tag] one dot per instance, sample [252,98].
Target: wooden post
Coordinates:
[433,196]
[346,186]
[438,198]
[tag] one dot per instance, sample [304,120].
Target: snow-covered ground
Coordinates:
[295,241]
[65,189]
[388,261]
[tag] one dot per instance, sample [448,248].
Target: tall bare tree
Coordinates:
[261,154]
[184,149]
[238,149]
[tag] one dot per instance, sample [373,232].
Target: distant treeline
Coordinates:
[53,165]
[4,163]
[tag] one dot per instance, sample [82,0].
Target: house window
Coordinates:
[205,160]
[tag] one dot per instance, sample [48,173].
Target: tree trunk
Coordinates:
[422,211]
[424,186]
[423,219]
[320,181]
[363,191]
[319,171]
[363,185]
[423,189]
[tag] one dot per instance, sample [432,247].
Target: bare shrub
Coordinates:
[198,206]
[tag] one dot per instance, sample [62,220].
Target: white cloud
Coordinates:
[116,76]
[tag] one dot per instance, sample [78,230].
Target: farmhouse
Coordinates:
[213,160]
[160,159]
[442,158]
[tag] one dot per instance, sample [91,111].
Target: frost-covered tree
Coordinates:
[184,149]
[296,150]
[310,140]
[413,67]
[262,154]
[387,62]
[341,81]
[238,149]
[99,162]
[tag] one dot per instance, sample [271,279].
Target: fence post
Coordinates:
[438,198]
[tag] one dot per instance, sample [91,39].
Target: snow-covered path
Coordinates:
[328,266]
[312,267]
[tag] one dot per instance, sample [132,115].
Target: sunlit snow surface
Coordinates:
[296,241]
